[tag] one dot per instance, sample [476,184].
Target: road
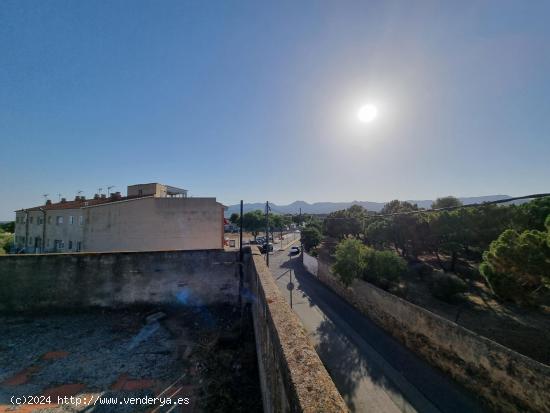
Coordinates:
[372,370]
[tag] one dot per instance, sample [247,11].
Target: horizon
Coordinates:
[261,101]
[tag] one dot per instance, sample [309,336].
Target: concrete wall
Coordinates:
[58,281]
[292,376]
[148,224]
[508,381]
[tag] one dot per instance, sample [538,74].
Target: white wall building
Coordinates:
[152,217]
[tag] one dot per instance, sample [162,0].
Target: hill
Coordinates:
[328,207]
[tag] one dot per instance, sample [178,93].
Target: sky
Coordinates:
[258,100]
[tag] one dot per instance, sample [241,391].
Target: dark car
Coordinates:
[266,247]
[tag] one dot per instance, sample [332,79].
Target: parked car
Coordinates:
[266,247]
[294,250]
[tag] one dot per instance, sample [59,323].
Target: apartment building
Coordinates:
[151,217]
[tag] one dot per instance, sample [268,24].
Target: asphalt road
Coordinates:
[372,370]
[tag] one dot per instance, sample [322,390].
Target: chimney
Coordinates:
[63,200]
[96,196]
[48,202]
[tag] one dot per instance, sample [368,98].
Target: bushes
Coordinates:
[350,257]
[447,286]
[355,260]
[383,268]
[517,265]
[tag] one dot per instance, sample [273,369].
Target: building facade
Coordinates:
[151,217]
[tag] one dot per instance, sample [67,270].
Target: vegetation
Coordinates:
[511,244]
[311,237]
[235,218]
[447,287]
[351,260]
[517,265]
[254,222]
[8,226]
[446,202]
[6,238]
[355,260]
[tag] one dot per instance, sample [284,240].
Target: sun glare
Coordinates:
[367,113]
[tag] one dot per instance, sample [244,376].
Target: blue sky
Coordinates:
[257,100]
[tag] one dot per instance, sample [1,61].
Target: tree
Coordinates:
[254,222]
[517,265]
[532,215]
[351,221]
[383,268]
[350,260]
[311,237]
[8,226]
[446,202]
[6,241]
[234,218]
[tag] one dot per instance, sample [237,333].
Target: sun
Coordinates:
[367,113]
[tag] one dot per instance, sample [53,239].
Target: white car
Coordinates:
[294,250]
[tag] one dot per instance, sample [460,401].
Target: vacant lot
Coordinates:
[191,353]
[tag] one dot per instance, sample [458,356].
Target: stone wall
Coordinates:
[508,381]
[50,281]
[292,376]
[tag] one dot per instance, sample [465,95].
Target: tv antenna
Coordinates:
[59,197]
[109,189]
[99,190]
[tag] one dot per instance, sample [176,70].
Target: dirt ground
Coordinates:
[204,354]
[524,330]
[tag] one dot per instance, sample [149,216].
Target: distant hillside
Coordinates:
[328,207]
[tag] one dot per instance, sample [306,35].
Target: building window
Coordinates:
[49,219]
[39,220]
[71,220]
[70,244]
[30,220]
[48,243]
[59,220]
[81,220]
[78,245]
[30,240]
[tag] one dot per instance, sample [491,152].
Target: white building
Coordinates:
[151,217]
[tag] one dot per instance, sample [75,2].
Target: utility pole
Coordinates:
[241,234]
[299,226]
[267,232]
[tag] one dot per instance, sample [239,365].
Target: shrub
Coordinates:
[517,265]
[351,261]
[447,286]
[383,267]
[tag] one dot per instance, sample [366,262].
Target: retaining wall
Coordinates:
[292,376]
[507,380]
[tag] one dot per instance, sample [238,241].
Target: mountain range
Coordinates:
[328,207]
